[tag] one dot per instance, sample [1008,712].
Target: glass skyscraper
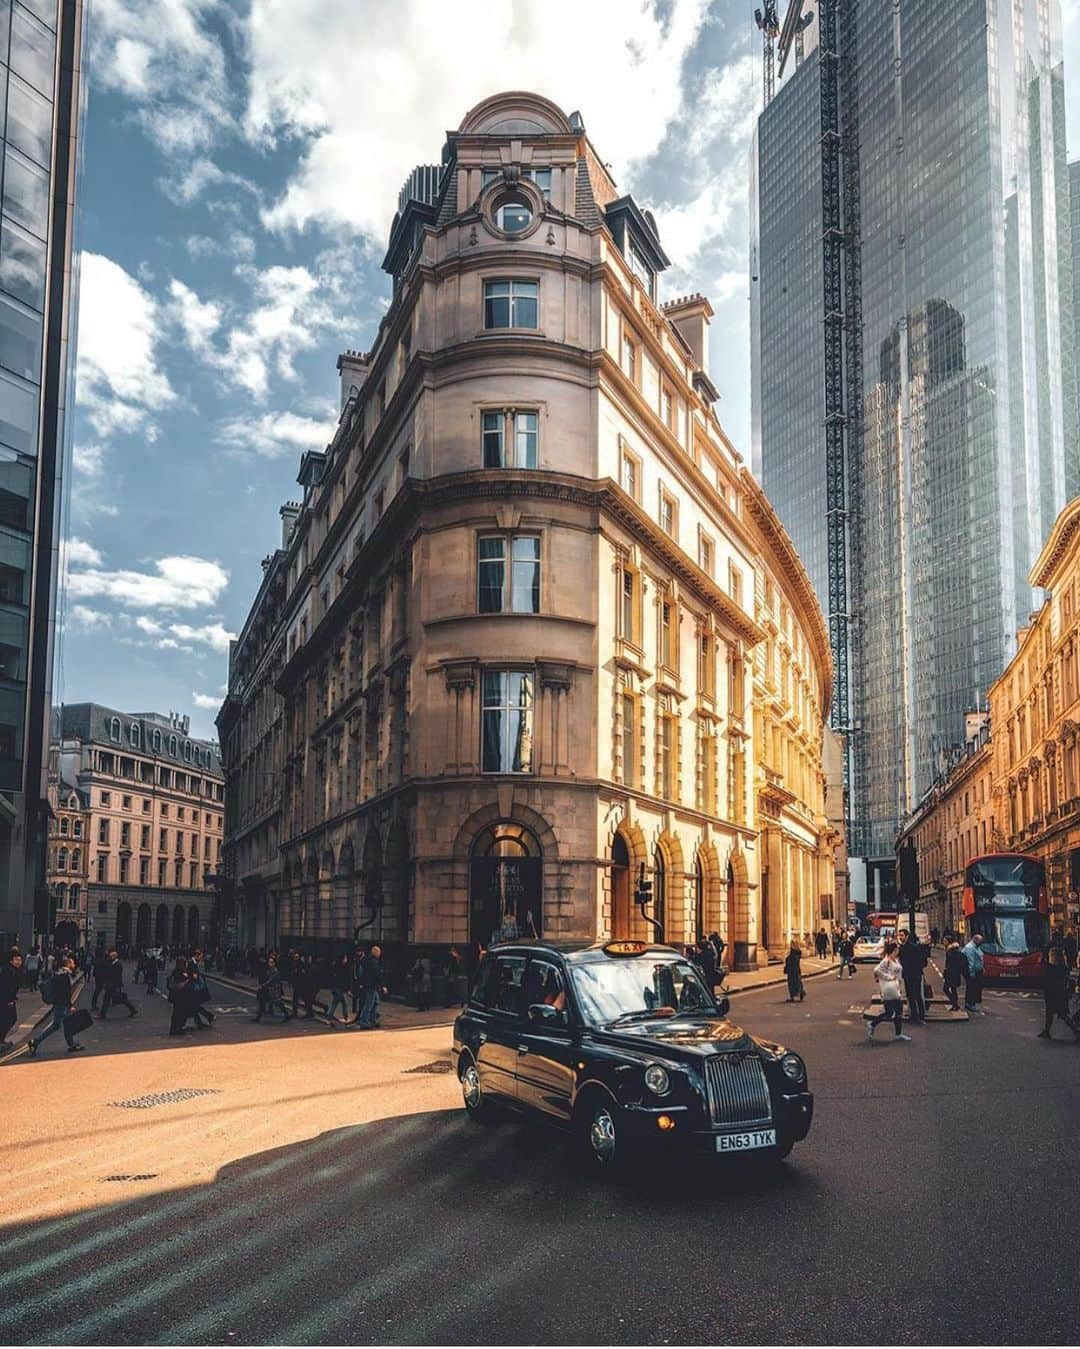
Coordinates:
[968,440]
[40,93]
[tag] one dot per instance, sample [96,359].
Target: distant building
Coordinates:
[951,327]
[68,860]
[152,824]
[43,93]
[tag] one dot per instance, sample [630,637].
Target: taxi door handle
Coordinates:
[523,1049]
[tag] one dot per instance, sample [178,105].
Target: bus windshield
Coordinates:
[1012,882]
[1011,935]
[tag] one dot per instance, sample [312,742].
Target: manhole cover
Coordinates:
[438,1066]
[146,1175]
[164,1098]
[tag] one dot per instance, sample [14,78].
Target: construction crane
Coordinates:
[769,23]
[800,28]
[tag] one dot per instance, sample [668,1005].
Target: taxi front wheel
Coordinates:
[599,1141]
[477,1107]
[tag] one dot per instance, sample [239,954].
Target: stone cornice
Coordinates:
[1062,537]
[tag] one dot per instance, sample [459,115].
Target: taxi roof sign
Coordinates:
[626,948]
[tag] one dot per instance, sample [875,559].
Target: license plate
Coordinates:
[759,1138]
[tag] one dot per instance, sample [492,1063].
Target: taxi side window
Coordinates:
[509,978]
[480,997]
[544,983]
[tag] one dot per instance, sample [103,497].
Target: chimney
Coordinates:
[354,368]
[690,315]
[289,513]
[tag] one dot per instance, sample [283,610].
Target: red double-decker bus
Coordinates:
[1005,900]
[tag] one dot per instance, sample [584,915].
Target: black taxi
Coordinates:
[622,1045]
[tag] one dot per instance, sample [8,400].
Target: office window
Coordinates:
[542,179]
[642,271]
[76,829]
[735,583]
[144,871]
[667,409]
[510,438]
[668,643]
[507,734]
[706,666]
[630,474]
[76,859]
[706,554]
[511,304]
[62,859]
[508,589]
[64,824]
[179,873]
[630,605]
[669,514]
[125,801]
[146,805]
[124,861]
[667,756]
[195,845]
[161,873]
[125,834]
[103,832]
[629,740]
[102,868]
[193,875]
[75,894]
[629,357]
[106,798]
[708,773]
[180,813]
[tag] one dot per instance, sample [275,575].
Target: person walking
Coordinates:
[113,984]
[32,967]
[706,962]
[973,960]
[955,969]
[846,952]
[793,970]
[821,944]
[1070,947]
[889,974]
[1055,992]
[61,993]
[200,991]
[11,976]
[455,978]
[371,988]
[912,957]
[101,963]
[150,973]
[340,977]
[179,993]
[719,946]
[270,995]
[420,974]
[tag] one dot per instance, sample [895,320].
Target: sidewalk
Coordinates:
[743,981]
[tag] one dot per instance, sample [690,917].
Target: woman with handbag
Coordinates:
[1055,992]
[890,975]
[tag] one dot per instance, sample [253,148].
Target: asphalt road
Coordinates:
[327,1192]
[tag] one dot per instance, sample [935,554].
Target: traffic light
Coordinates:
[643,892]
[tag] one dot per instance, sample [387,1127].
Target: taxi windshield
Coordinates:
[639,988]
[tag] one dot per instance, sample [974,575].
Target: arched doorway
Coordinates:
[505,885]
[178,925]
[659,891]
[123,924]
[142,926]
[621,884]
[193,926]
[161,925]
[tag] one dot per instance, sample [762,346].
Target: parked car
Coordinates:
[622,1046]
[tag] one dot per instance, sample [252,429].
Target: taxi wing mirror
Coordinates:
[723,1004]
[543,1011]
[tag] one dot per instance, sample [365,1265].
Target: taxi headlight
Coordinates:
[793,1066]
[657,1080]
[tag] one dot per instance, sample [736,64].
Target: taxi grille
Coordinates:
[738,1091]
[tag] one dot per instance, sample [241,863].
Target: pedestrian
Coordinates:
[1055,992]
[269,992]
[455,978]
[846,952]
[200,992]
[912,956]
[60,994]
[150,973]
[101,964]
[340,978]
[793,970]
[371,988]
[113,984]
[973,960]
[32,967]
[935,937]
[955,969]
[821,944]
[889,974]
[420,975]
[179,994]
[1069,945]
[719,946]
[11,975]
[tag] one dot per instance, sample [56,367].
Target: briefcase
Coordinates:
[77,1021]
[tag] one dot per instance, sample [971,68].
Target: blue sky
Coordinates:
[242,164]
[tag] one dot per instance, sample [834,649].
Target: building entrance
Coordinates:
[505,885]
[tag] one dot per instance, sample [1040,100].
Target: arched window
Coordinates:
[133,733]
[74,897]
[173,745]
[61,896]
[505,885]
[114,728]
[76,859]
[62,859]
[659,888]
[156,742]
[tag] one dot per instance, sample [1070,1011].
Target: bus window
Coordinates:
[1012,934]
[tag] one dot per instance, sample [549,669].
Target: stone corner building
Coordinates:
[534,626]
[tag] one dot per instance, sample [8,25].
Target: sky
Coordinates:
[241,169]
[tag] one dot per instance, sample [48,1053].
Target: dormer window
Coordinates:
[642,271]
[512,215]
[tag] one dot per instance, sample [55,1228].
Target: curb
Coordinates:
[775,983]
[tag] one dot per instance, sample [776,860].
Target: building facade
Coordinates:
[1017,786]
[251,733]
[40,59]
[541,633]
[152,826]
[68,861]
[959,405]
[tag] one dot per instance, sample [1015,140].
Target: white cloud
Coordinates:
[210,702]
[200,175]
[273,434]
[89,460]
[120,384]
[171,635]
[176,583]
[83,617]
[169,62]
[79,553]
[236,245]
[199,319]
[430,64]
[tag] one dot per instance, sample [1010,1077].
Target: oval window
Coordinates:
[513,216]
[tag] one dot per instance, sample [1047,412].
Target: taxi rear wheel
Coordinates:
[477,1106]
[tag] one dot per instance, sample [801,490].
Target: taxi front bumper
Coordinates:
[690,1126]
